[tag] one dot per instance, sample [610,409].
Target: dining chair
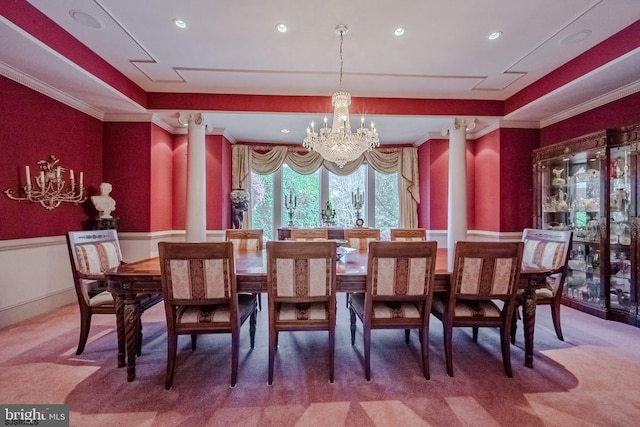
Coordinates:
[200,297]
[547,249]
[309,234]
[398,295]
[483,273]
[91,254]
[246,240]
[408,234]
[301,284]
[359,238]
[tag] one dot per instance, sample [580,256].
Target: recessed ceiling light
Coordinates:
[575,38]
[495,35]
[285,130]
[399,31]
[281,28]
[85,19]
[179,23]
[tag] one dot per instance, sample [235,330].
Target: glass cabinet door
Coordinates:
[622,210]
[584,215]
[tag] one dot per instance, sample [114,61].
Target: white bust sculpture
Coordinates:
[103,203]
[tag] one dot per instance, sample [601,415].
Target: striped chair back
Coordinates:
[245,240]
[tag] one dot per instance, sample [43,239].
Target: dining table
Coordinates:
[129,280]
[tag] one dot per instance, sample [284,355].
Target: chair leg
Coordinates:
[366,332]
[407,334]
[85,326]
[252,329]
[555,315]
[259,295]
[475,334]
[172,346]
[194,341]
[424,343]
[139,349]
[273,342]
[514,325]
[352,314]
[506,350]
[332,352]
[235,355]
[448,349]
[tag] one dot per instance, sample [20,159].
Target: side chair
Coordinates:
[200,297]
[91,254]
[359,238]
[398,295]
[408,234]
[301,281]
[548,249]
[246,240]
[309,234]
[483,272]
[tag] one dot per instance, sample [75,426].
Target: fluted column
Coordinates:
[196,226]
[457,188]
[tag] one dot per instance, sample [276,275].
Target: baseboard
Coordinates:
[29,309]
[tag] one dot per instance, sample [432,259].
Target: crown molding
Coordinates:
[49,91]
[615,95]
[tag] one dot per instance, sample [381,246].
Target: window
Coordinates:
[310,194]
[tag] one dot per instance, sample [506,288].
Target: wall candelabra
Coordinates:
[49,187]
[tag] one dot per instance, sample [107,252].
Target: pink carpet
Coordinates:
[590,379]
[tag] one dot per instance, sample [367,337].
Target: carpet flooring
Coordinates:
[591,379]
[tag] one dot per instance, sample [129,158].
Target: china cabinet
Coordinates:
[588,185]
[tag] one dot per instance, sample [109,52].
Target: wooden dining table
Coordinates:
[126,281]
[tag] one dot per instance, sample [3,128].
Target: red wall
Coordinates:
[127,166]
[516,178]
[488,183]
[32,127]
[161,179]
[218,186]
[620,113]
[433,161]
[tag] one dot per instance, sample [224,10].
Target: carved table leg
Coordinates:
[529,320]
[132,332]
[119,302]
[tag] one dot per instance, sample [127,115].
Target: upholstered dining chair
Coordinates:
[483,272]
[309,234]
[200,297]
[359,238]
[247,240]
[408,234]
[91,254]
[301,281]
[398,294]
[547,249]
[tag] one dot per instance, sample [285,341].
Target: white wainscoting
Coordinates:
[35,273]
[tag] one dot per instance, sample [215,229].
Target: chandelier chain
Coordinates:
[341,42]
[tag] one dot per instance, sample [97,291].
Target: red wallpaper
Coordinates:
[179,181]
[623,112]
[32,127]
[161,179]
[127,166]
[433,163]
[516,178]
[218,182]
[488,184]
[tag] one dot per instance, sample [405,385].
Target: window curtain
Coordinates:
[404,161]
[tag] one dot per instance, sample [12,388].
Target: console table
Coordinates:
[284,233]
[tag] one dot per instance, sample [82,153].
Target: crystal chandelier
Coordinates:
[338,144]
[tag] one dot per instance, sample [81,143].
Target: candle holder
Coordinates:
[290,204]
[357,200]
[329,214]
[50,189]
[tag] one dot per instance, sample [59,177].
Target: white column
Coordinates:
[196,226]
[457,188]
